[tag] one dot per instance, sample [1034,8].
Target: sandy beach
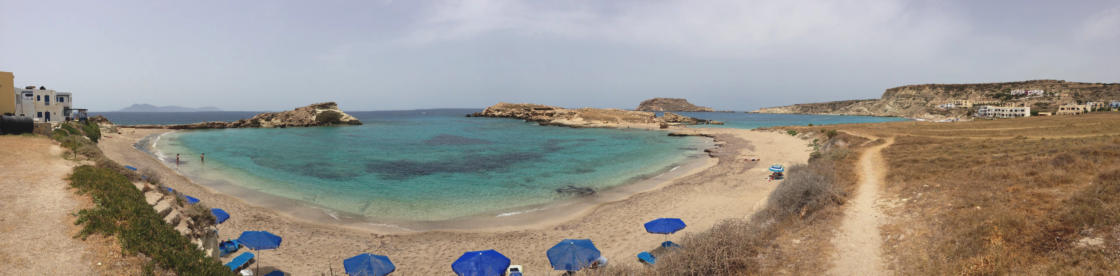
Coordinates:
[726,186]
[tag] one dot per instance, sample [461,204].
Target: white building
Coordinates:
[1028,93]
[43,105]
[988,111]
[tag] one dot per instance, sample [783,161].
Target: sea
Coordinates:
[433,165]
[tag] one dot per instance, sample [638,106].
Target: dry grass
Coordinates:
[1022,196]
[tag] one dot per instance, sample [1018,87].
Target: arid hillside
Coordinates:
[923,100]
[1034,195]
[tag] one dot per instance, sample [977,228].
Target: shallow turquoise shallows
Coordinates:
[430,165]
[434,165]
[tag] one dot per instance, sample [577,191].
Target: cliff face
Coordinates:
[320,114]
[583,117]
[671,104]
[922,100]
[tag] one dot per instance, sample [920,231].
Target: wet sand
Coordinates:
[726,186]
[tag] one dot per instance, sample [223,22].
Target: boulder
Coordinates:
[164,207]
[152,197]
[173,217]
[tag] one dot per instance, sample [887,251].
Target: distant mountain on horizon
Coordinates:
[166,108]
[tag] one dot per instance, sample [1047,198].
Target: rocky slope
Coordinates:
[671,104]
[585,117]
[320,114]
[922,100]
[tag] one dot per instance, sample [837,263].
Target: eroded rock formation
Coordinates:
[671,104]
[583,117]
[320,114]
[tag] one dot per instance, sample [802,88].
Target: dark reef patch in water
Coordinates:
[447,139]
[315,169]
[405,169]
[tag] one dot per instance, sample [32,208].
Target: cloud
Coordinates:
[1104,25]
[720,29]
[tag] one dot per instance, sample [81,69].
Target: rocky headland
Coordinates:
[671,104]
[587,117]
[320,114]
[927,101]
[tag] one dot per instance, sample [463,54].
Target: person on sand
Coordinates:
[600,262]
[176,159]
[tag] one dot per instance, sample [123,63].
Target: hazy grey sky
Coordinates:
[381,55]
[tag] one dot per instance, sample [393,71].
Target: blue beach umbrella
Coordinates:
[259,240]
[665,225]
[572,254]
[481,263]
[777,168]
[192,200]
[219,215]
[366,264]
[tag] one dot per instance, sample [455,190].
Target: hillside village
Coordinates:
[952,102]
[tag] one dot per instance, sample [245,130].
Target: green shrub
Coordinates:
[831,133]
[328,117]
[92,131]
[120,210]
[792,132]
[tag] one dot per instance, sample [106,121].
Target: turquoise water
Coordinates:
[436,165]
[427,167]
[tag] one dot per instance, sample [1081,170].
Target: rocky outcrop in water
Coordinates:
[583,117]
[671,104]
[320,114]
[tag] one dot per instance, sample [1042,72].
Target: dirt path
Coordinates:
[36,227]
[858,246]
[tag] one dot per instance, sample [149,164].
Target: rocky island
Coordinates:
[587,117]
[671,104]
[320,114]
[948,101]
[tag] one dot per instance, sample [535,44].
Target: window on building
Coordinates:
[39,114]
[61,99]
[38,98]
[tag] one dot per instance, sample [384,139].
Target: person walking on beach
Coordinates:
[176,159]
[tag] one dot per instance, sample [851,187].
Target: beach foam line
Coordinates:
[674,168]
[514,213]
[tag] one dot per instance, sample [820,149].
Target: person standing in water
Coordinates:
[176,159]
[203,156]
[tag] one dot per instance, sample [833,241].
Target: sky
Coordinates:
[395,55]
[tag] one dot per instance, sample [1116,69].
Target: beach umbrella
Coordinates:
[572,254]
[219,215]
[665,225]
[192,200]
[366,264]
[481,263]
[259,240]
[777,168]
